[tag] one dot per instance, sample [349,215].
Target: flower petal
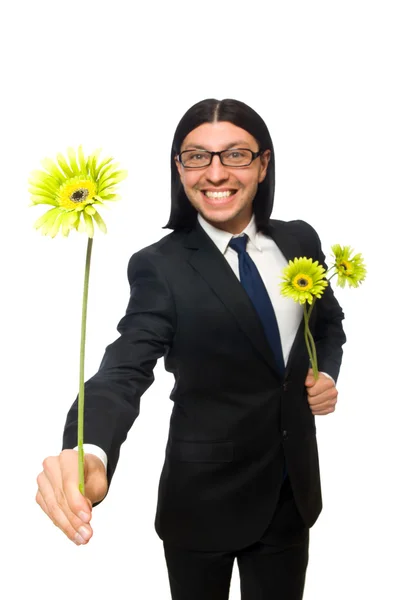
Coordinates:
[41,178]
[48,216]
[36,199]
[100,222]
[92,163]
[101,167]
[64,165]
[56,225]
[114,177]
[109,197]
[73,161]
[53,169]
[88,225]
[82,161]
[89,209]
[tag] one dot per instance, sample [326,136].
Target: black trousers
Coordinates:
[273,568]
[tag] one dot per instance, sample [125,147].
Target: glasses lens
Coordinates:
[195,158]
[236,157]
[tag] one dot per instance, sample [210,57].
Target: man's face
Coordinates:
[232,212]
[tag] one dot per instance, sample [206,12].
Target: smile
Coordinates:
[218,194]
[222,197]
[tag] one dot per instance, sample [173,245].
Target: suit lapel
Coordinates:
[214,268]
[291,248]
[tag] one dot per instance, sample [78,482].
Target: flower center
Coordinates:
[347,267]
[303,282]
[79,195]
[76,193]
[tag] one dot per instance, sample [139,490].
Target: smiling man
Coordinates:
[222,190]
[241,478]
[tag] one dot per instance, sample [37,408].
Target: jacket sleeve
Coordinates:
[112,395]
[327,329]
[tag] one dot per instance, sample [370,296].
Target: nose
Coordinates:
[216,171]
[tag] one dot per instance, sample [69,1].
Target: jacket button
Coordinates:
[285,434]
[285,386]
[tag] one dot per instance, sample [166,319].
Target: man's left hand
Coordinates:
[322,394]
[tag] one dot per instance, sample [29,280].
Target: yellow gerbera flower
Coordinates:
[74,188]
[350,269]
[303,280]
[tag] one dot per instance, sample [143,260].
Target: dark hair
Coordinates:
[183,215]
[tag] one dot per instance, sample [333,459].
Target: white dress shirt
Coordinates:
[270,262]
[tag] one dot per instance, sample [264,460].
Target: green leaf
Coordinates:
[64,165]
[88,225]
[100,222]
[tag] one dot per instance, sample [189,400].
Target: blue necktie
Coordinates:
[256,290]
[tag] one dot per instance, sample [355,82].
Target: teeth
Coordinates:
[218,194]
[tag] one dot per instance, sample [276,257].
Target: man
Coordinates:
[240,477]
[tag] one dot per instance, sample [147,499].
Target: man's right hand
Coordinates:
[59,496]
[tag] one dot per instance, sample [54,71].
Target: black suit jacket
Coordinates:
[235,420]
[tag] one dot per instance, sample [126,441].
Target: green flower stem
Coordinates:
[80,412]
[306,329]
[308,346]
[311,309]
[314,355]
[311,347]
[336,272]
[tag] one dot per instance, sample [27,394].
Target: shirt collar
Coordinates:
[222,238]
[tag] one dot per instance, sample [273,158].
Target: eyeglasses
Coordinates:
[233,157]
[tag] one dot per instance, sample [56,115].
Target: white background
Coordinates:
[119,76]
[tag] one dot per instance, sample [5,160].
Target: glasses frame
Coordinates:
[254,155]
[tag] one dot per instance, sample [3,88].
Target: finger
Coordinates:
[317,413]
[54,504]
[310,378]
[322,397]
[320,386]
[96,482]
[329,405]
[40,501]
[79,515]
[69,473]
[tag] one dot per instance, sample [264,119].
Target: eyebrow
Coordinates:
[232,145]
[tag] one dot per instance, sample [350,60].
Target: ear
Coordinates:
[265,159]
[178,166]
